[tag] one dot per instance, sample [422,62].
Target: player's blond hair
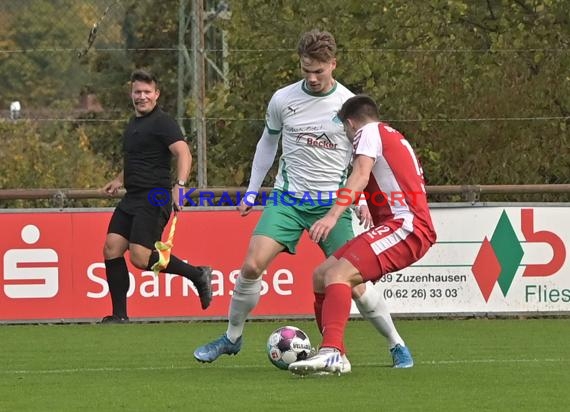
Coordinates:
[317,45]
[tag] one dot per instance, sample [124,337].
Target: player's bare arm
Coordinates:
[364,216]
[363,213]
[357,181]
[244,207]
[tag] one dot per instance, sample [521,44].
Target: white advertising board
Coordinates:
[488,260]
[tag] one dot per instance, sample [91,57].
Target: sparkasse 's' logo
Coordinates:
[31,273]
[499,258]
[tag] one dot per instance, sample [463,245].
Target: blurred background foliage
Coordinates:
[481,89]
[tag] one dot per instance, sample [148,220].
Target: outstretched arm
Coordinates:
[357,181]
[262,160]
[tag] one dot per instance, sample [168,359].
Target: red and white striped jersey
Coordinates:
[396,188]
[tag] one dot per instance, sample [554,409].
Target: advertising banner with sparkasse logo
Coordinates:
[486,260]
[52,268]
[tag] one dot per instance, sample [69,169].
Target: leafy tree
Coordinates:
[480,88]
[425,62]
[43,70]
[39,157]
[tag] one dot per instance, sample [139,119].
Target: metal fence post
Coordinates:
[180,106]
[199,89]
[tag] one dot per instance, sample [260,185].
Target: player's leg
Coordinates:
[373,307]
[148,225]
[394,249]
[319,291]
[339,236]
[277,230]
[336,277]
[116,244]
[261,252]
[368,299]
[338,280]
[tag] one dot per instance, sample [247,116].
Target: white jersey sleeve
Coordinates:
[367,141]
[262,160]
[274,115]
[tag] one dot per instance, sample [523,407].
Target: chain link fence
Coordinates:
[51,52]
[64,66]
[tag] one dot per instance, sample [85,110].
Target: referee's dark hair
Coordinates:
[145,76]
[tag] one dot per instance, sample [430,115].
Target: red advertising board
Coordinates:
[52,268]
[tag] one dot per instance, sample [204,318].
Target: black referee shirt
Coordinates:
[147,159]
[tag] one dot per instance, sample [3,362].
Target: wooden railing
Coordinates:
[468,193]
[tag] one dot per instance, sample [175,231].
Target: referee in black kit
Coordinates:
[150,140]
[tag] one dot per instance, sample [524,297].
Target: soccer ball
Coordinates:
[286,345]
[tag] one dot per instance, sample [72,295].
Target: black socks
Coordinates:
[118,280]
[177,267]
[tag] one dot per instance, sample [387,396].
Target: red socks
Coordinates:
[335,308]
[318,305]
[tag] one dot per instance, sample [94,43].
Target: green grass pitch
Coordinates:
[461,365]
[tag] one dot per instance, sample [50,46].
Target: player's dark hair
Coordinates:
[145,76]
[318,45]
[359,107]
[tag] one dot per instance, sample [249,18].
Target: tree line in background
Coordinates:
[481,89]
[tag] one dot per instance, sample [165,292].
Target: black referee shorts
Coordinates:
[140,223]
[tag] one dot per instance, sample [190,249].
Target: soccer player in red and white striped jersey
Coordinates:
[387,172]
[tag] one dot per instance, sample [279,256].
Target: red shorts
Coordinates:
[384,249]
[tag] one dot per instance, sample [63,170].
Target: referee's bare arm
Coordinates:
[114,185]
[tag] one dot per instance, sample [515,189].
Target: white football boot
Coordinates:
[326,360]
[346,367]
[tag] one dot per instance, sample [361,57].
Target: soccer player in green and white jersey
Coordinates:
[313,166]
